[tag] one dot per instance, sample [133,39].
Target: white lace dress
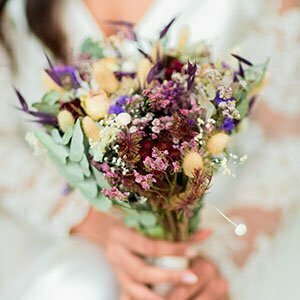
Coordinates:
[269,181]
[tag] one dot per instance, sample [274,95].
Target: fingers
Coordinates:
[141,272]
[205,272]
[147,247]
[217,289]
[136,291]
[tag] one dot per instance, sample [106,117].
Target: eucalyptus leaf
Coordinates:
[147,218]
[56,136]
[51,97]
[243,108]
[85,166]
[102,203]
[156,232]
[88,188]
[77,147]
[92,48]
[72,172]
[67,135]
[59,152]
[101,181]
[132,220]
[43,107]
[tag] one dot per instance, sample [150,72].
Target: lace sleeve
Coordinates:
[274,34]
[29,190]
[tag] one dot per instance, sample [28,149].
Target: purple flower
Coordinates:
[115,109]
[64,75]
[218,99]
[228,124]
[122,100]
[118,107]
[41,118]
[166,29]
[191,71]
[121,74]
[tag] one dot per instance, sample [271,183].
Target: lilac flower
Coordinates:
[114,193]
[228,124]
[144,180]
[176,166]
[158,162]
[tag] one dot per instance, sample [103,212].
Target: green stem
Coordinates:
[171,225]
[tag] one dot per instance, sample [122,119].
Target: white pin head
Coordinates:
[240,229]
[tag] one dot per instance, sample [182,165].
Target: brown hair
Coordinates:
[43,17]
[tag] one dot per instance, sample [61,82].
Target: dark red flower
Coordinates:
[174,65]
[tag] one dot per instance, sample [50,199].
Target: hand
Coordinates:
[124,249]
[210,284]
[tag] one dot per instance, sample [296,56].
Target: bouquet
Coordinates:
[144,133]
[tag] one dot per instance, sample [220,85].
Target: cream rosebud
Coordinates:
[65,120]
[50,84]
[105,77]
[90,129]
[217,143]
[156,51]
[192,161]
[96,106]
[143,69]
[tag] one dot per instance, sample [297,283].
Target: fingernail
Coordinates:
[189,278]
[191,252]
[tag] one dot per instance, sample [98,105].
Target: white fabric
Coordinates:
[270,178]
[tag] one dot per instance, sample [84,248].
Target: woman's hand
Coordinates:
[125,250]
[210,284]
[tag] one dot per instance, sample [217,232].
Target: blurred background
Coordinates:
[40,259]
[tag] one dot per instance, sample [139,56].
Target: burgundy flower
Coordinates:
[173,66]
[74,108]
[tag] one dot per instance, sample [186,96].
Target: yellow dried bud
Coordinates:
[65,120]
[50,84]
[96,106]
[143,69]
[192,161]
[90,129]
[110,63]
[105,77]
[217,143]
[156,51]
[183,38]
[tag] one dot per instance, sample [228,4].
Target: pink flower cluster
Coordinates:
[115,193]
[144,180]
[158,161]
